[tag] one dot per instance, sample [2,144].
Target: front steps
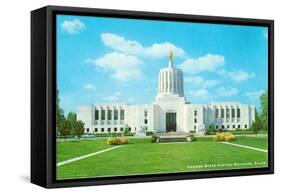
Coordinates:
[172,137]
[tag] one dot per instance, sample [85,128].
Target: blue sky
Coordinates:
[118,60]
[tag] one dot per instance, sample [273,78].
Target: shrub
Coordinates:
[129,133]
[224,136]
[123,140]
[242,132]
[192,131]
[148,133]
[210,132]
[193,138]
[154,138]
[117,140]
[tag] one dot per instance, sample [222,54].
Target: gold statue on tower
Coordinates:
[171,56]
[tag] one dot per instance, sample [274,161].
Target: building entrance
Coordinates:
[171,122]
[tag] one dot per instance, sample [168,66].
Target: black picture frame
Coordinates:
[43,98]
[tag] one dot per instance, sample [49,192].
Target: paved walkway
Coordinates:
[85,156]
[243,146]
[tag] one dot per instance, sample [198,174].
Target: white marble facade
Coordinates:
[170,112]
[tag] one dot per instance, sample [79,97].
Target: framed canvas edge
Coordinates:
[51,181]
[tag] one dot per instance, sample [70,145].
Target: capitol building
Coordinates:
[170,112]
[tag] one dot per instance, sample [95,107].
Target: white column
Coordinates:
[163,78]
[181,83]
[169,81]
[172,82]
[119,115]
[219,114]
[106,119]
[224,107]
[159,82]
[99,115]
[234,116]
[92,116]
[230,115]
[176,82]
[165,81]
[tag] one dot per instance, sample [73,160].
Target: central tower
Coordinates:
[170,98]
[170,81]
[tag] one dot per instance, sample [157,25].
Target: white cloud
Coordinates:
[226,92]
[159,50]
[254,95]
[112,98]
[72,26]
[201,93]
[200,81]
[237,76]
[89,86]
[132,47]
[209,62]
[123,67]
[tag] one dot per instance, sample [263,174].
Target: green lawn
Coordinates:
[143,157]
[70,149]
[257,142]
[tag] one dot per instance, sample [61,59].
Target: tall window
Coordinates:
[96,114]
[217,113]
[145,121]
[227,113]
[195,113]
[195,120]
[115,114]
[238,113]
[102,114]
[145,113]
[222,113]
[109,114]
[233,112]
[122,114]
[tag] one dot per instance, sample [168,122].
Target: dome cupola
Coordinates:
[170,80]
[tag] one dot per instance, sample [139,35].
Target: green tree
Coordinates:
[264,110]
[60,119]
[65,128]
[257,124]
[79,128]
[72,119]
[76,126]
[212,127]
